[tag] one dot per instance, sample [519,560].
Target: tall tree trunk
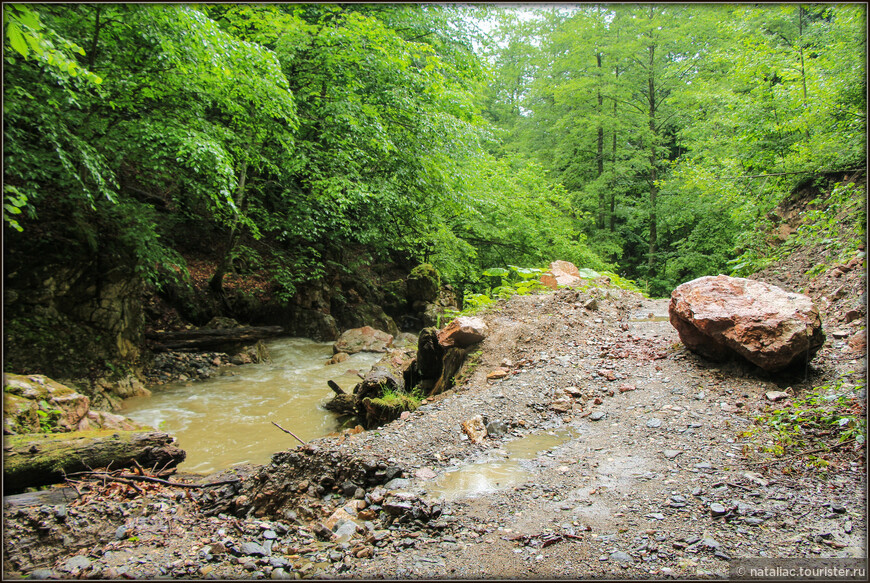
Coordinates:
[800,44]
[613,161]
[602,202]
[653,181]
[216,284]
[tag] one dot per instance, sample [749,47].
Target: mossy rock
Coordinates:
[366,314]
[395,297]
[380,411]
[423,284]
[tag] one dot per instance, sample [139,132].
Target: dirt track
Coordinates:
[663,483]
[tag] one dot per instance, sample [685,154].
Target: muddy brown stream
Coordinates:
[227,420]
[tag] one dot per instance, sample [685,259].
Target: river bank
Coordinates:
[651,464]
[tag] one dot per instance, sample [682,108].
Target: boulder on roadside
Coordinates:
[561,273]
[462,331]
[365,339]
[720,316]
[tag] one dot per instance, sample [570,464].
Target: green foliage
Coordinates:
[835,221]
[13,201]
[826,416]
[48,417]
[27,36]
[664,124]
[399,401]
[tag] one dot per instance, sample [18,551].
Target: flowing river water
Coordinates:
[227,420]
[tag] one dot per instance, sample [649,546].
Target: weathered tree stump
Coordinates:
[34,459]
[453,359]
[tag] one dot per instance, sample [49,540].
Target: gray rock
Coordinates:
[703,466]
[269,535]
[717,509]
[654,422]
[656,516]
[60,513]
[496,428]
[280,574]
[621,557]
[278,562]
[671,453]
[121,533]
[397,484]
[251,549]
[710,543]
[42,574]
[597,416]
[345,531]
[838,508]
[75,564]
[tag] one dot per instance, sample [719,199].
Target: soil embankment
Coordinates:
[642,461]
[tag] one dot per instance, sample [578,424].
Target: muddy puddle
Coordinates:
[505,468]
[227,420]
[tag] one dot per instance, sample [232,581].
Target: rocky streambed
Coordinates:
[607,450]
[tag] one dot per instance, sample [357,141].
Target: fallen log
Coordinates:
[208,339]
[34,460]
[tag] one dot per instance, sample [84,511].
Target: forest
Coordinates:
[190,146]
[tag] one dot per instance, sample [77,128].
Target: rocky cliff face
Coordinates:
[68,320]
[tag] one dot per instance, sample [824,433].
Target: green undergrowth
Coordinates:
[836,222]
[502,284]
[398,401]
[811,431]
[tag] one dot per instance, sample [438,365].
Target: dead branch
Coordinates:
[290,432]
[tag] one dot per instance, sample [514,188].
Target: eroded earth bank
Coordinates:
[610,451]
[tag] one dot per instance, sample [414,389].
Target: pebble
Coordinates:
[838,508]
[654,422]
[671,453]
[76,563]
[42,574]
[252,550]
[398,483]
[597,416]
[717,509]
[621,557]
[656,516]
[710,543]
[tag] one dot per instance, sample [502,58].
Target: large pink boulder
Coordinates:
[365,339]
[768,326]
[561,273]
[462,331]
